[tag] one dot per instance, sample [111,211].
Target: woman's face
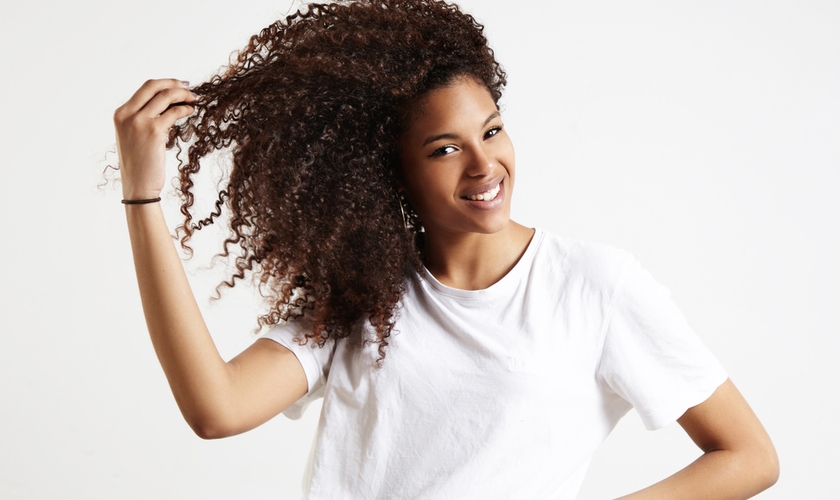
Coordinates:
[458,161]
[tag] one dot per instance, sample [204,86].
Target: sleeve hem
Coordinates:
[310,368]
[665,414]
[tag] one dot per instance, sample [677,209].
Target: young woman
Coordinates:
[459,353]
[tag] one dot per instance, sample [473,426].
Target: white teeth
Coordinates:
[488,195]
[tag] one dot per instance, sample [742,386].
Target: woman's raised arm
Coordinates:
[217,399]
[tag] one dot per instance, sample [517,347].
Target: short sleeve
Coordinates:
[651,357]
[315,361]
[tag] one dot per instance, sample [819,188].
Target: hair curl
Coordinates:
[311,111]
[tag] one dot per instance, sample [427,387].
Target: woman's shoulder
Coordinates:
[596,263]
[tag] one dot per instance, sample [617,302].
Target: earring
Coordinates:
[402,210]
[409,217]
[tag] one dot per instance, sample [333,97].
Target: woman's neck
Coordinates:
[474,261]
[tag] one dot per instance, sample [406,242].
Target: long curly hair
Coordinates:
[311,111]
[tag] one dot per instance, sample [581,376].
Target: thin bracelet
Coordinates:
[141,202]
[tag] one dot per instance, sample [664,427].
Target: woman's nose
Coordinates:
[480,163]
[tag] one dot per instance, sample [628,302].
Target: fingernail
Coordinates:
[186,83]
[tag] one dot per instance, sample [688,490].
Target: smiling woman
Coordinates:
[457,171]
[459,354]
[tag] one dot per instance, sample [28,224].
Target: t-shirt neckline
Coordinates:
[507,282]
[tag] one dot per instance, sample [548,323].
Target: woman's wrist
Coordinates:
[140,201]
[140,196]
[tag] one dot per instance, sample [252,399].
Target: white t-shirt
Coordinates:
[504,392]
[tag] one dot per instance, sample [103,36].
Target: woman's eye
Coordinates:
[493,131]
[442,151]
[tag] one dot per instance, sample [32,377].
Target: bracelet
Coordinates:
[141,202]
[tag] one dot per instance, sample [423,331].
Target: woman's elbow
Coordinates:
[210,425]
[762,464]
[770,468]
[209,428]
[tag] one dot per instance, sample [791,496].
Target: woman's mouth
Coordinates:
[488,195]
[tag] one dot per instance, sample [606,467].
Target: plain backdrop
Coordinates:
[704,137]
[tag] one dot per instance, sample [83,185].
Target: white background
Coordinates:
[704,137]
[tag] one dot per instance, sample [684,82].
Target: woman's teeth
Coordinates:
[487,195]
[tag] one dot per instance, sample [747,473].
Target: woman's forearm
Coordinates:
[196,372]
[720,474]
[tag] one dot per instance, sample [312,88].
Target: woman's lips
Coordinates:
[498,192]
[486,195]
[483,188]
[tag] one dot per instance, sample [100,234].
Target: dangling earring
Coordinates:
[402,210]
[411,221]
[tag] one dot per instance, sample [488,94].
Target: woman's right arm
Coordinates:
[217,399]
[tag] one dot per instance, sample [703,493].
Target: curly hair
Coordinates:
[311,111]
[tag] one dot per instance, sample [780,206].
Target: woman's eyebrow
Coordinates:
[450,135]
[493,115]
[438,137]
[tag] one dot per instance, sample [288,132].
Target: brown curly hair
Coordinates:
[311,111]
